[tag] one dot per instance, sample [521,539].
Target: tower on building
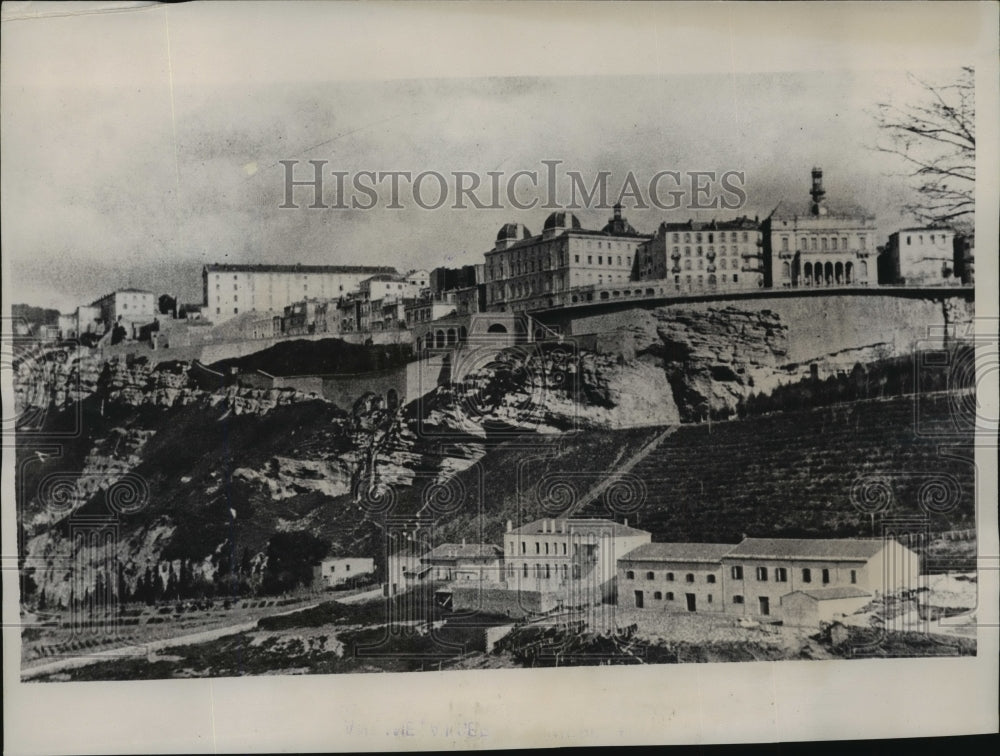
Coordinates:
[818,193]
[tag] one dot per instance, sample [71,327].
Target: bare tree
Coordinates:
[936,136]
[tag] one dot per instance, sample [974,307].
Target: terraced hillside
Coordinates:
[793,473]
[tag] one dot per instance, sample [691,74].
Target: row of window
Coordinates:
[688,578]
[781,574]
[539,545]
[933,238]
[659,596]
[701,250]
[824,243]
[545,571]
[711,236]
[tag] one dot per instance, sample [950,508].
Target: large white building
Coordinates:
[573,558]
[819,245]
[525,272]
[127,307]
[230,289]
[919,256]
[799,580]
[698,256]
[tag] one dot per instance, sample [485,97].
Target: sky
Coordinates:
[140,144]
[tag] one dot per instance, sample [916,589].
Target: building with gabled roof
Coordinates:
[673,577]
[464,561]
[755,576]
[576,558]
[809,607]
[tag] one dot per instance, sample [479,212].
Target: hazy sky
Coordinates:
[139,145]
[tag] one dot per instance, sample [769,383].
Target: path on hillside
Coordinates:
[148,648]
[611,476]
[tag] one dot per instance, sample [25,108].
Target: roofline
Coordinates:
[797,557]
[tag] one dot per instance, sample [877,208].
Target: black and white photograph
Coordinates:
[484,345]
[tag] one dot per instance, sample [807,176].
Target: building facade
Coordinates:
[919,256]
[525,272]
[796,579]
[817,245]
[130,308]
[696,256]
[758,572]
[480,562]
[673,577]
[577,558]
[230,289]
[335,571]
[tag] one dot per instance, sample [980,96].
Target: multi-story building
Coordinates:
[419,279]
[793,579]
[229,289]
[965,257]
[694,256]
[470,300]
[816,245]
[525,272]
[760,571]
[445,279]
[576,558]
[428,308]
[130,308]
[299,318]
[385,285]
[917,256]
[481,562]
[673,577]
[348,314]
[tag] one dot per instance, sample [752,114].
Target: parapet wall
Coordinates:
[817,326]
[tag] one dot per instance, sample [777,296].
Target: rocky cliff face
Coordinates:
[714,355]
[224,470]
[551,389]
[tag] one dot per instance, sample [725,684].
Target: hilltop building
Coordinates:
[921,256]
[696,256]
[130,308]
[524,272]
[230,289]
[818,245]
[965,258]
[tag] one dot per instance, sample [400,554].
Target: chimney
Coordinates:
[562,526]
[463,542]
[510,526]
[626,522]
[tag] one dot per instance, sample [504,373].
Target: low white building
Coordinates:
[335,571]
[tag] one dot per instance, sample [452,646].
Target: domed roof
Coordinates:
[513,232]
[617,225]
[560,219]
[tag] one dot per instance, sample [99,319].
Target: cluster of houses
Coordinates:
[799,244]
[552,564]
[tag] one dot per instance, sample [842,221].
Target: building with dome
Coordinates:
[525,272]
